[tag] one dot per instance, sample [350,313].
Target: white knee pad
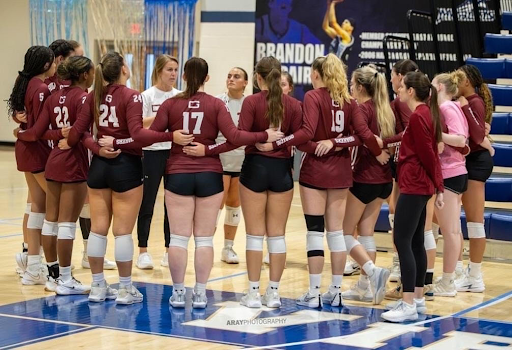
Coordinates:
[476,230]
[435,230]
[179,241]
[96,245]
[368,242]
[204,242]
[35,220]
[232,216]
[350,242]
[86,211]
[254,243]
[50,228]
[391,218]
[67,230]
[276,245]
[336,241]
[430,241]
[28,208]
[124,248]
[314,241]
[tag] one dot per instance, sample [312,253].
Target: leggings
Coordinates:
[409,239]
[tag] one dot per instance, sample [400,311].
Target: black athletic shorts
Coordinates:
[394,169]
[232,173]
[367,193]
[456,184]
[479,165]
[204,184]
[120,174]
[260,174]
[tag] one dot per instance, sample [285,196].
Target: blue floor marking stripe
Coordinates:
[485,303]
[13,235]
[226,277]
[51,337]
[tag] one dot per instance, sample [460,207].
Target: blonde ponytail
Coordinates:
[334,76]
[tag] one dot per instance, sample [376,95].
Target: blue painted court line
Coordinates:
[50,337]
[13,235]
[226,277]
[504,296]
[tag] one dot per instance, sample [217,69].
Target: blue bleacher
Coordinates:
[498,189]
[491,68]
[503,156]
[500,227]
[498,44]
[508,69]
[506,20]
[501,94]
[500,124]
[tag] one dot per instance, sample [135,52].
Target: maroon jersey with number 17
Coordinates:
[203,116]
[32,156]
[61,110]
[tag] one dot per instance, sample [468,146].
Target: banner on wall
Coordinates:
[298,31]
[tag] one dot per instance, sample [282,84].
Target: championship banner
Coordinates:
[298,31]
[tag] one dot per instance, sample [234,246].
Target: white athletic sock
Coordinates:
[336,281]
[98,278]
[314,283]
[460,265]
[33,264]
[65,273]
[125,281]
[447,277]
[254,286]
[228,243]
[369,268]
[200,288]
[364,282]
[178,287]
[475,269]
[273,285]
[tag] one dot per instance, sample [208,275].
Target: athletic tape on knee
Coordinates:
[86,211]
[476,230]
[276,245]
[179,241]
[315,243]
[28,208]
[254,243]
[435,230]
[204,242]
[124,248]
[50,228]
[232,216]
[96,245]
[35,220]
[368,242]
[350,242]
[430,241]
[336,241]
[67,230]
[391,218]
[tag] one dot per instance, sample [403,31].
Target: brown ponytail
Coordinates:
[195,72]
[269,69]
[107,72]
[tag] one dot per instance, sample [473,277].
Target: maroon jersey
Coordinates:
[402,115]
[367,168]
[475,115]
[55,84]
[61,109]
[120,117]
[203,116]
[32,156]
[329,121]
[419,167]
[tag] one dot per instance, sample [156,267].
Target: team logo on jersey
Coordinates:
[108,98]
[155,108]
[52,86]
[62,99]
[335,103]
[194,104]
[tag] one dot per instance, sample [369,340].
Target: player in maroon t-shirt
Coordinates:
[420,177]
[66,170]
[62,49]
[372,177]
[476,102]
[115,177]
[28,94]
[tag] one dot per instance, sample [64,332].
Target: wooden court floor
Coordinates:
[34,319]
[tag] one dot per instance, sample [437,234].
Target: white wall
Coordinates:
[225,45]
[15,39]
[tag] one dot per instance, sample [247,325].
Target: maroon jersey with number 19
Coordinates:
[32,156]
[203,116]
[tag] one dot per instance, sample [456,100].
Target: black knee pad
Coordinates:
[315,223]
